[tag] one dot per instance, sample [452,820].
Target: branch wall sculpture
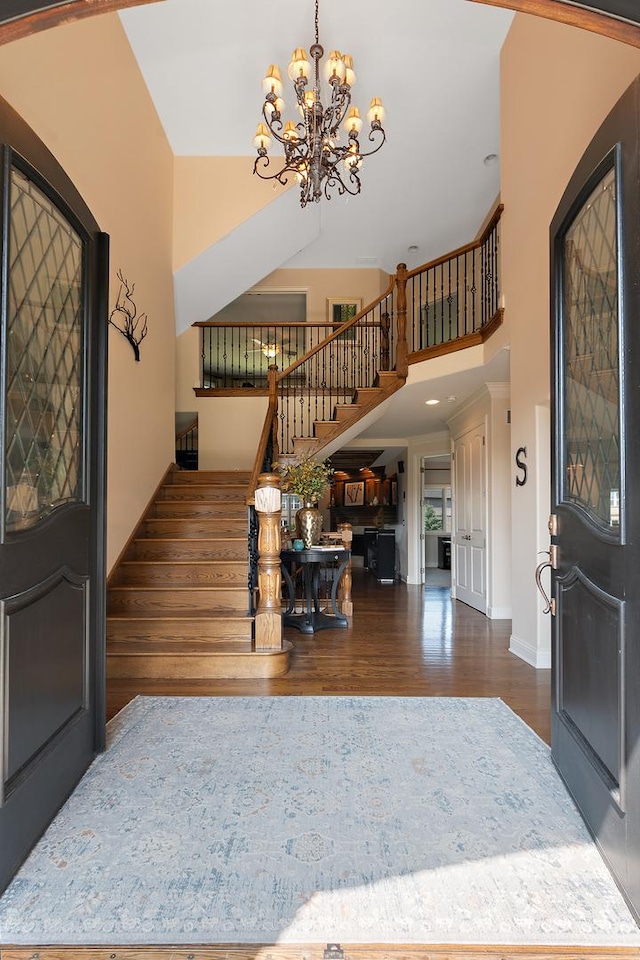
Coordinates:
[134,327]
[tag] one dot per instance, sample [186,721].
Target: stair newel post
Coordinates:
[268,621]
[272,380]
[344,587]
[402,352]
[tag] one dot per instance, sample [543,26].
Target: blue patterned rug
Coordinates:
[315,820]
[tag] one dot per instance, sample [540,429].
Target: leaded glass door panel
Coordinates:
[52,366]
[596,491]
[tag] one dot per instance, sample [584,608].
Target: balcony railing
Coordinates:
[347,360]
[308,370]
[454,299]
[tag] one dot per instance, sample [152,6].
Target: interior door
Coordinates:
[470,538]
[52,365]
[595,245]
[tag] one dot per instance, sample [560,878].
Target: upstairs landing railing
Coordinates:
[447,304]
[455,300]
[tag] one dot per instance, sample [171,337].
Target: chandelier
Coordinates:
[312,152]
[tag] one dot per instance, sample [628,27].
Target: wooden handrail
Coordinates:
[460,252]
[187,429]
[337,332]
[267,429]
[398,283]
[276,324]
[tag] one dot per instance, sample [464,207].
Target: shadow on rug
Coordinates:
[318,819]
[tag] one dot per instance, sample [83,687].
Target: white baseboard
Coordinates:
[540,659]
[499,613]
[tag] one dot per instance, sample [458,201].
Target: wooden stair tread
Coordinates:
[185,563]
[177,601]
[217,540]
[188,648]
[179,616]
[199,588]
[240,477]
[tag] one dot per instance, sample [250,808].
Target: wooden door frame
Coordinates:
[20,18]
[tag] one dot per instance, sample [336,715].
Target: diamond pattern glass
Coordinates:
[44,441]
[591,474]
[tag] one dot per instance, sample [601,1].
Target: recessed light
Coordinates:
[451,399]
[431,403]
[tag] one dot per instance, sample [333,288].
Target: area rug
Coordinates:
[315,820]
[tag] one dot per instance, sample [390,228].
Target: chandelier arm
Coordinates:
[372,133]
[346,152]
[282,175]
[335,181]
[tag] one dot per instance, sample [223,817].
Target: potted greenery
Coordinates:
[308,479]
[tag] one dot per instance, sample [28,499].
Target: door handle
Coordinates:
[550,604]
[466,536]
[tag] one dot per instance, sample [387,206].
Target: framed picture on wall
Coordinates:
[354,493]
[339,310]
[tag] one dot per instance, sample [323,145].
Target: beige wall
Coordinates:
[558,84]
[80,89]
[366,284]
[229,428]
[212,196]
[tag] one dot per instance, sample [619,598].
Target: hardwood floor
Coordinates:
[404,641]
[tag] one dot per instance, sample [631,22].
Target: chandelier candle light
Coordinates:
[312,152]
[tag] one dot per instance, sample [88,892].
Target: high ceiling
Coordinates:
[435,63]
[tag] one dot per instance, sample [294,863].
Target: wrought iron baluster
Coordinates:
[496,287]
[449,299]
[441,340]
[473,292]
[457,296]
[253,558]
[483,286]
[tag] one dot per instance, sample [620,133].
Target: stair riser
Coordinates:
[192,491]
[194,529]
[322,430]
[218,666]
[168,550]
[229,574]
[234,478]
[175,631]
[134,600]
[178,509]
[345,413]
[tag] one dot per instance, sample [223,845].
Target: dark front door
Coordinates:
[52,401]
[595,248]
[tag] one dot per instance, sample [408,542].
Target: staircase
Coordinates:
[177,601]
[346,414]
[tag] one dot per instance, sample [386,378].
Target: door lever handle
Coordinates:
[550,604]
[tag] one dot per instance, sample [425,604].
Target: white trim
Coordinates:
[541,660]
[499,613]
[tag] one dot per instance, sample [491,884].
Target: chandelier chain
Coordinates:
[317,29]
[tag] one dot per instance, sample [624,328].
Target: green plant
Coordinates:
[308,478]
[431,519]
